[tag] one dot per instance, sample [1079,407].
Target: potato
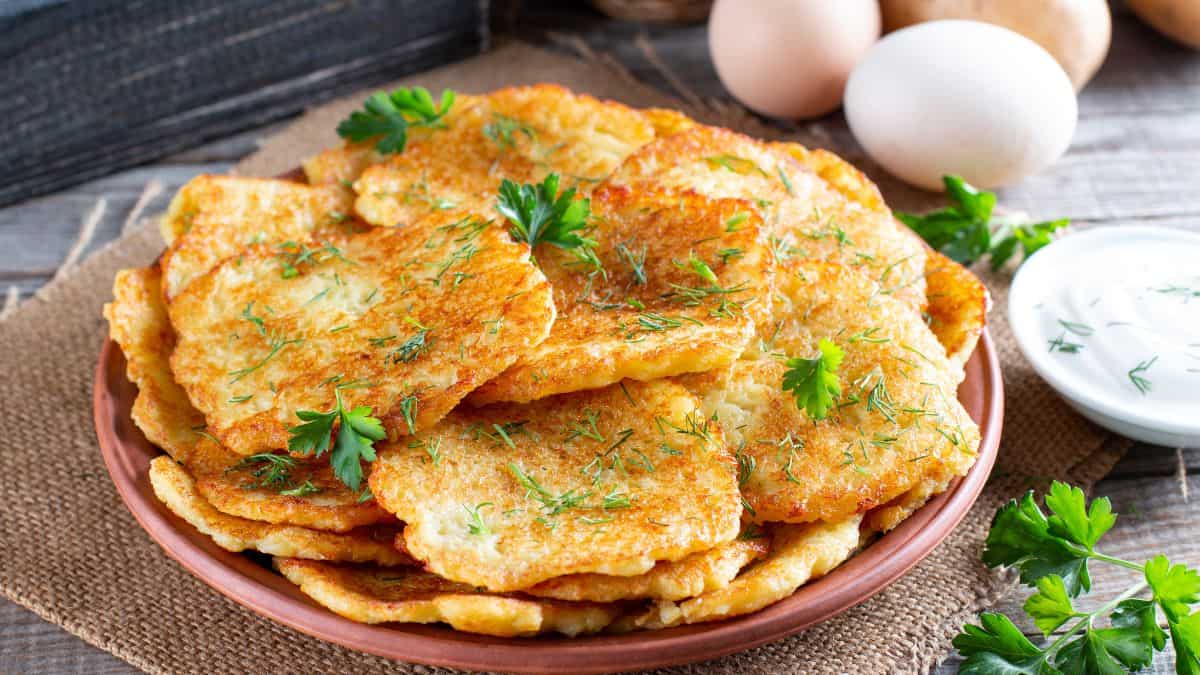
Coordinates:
[1177,19]
[1075,32]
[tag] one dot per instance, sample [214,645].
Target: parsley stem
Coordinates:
[1117,561]
[1087,619]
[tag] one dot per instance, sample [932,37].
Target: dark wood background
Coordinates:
[1135,159]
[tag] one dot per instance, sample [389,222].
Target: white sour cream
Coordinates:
[1111,319]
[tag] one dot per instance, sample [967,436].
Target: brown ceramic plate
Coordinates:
[127,455]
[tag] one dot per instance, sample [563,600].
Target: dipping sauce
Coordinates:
[1115,315]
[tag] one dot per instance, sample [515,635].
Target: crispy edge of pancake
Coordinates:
[553,503]
[476,329]
[382,595]
[138,324]
[958,306]
[213,217]
[886,518]
[839,174]
[799,554]
[176,489]
[698,573]
[667,122]
[588,348]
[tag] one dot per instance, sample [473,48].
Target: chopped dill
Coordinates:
[475,522]
[1135,376]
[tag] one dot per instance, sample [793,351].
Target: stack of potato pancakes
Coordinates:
[374,378]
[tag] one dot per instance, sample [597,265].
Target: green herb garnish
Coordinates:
[502,128]
[964,231]
[356,431]
[1052,553]
[552,504]
[389,116]
[814,382]
[539,214]
[268,470]
[1135,376]
[475,522]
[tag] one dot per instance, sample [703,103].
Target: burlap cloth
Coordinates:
[71,552]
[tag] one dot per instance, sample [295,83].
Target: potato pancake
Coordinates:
[213,218]
[958,305]
[608,481]
[809,217]
[343,164]
[138,321]
[799,554]
[684,277]
[897,422]
[175,488]
[520,133]
[406,595]
[405,321]
[698,573]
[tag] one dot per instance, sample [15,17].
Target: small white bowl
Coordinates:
[1049,268]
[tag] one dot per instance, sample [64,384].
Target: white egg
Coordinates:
[790,58]
[960,97]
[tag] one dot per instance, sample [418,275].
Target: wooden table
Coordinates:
[1135,159]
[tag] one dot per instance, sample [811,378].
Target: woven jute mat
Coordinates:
[71,552]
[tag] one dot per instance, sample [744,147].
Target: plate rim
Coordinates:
[257,588]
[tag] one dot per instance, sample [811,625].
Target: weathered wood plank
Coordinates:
[30,645]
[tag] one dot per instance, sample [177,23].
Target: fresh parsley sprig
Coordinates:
[539,214]
[814,382]
[966,232]
[356,432]
[388,116]
[1052,552]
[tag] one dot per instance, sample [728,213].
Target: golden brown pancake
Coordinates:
[405,321]
[406,595]
[608,481]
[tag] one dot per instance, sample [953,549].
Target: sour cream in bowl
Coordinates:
[1110,318]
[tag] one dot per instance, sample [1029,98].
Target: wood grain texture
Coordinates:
[1135,159]
[90,87]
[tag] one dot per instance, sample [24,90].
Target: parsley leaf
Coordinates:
[1053,552]
[964,231]
[814,382]
[388,116]
[998,646]
[1070,519]
[1130,642]
[539,214]
[1051,606]
[1021,537]
[1185,636]
[1031,238]
[960,231]
[357,432]
[1175,586]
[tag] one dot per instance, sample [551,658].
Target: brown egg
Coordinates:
[790,58]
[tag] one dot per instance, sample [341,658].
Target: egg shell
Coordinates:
[790,58]
[960,97]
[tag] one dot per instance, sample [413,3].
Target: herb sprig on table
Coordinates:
[1052,552]
[966,232]
[388,116]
